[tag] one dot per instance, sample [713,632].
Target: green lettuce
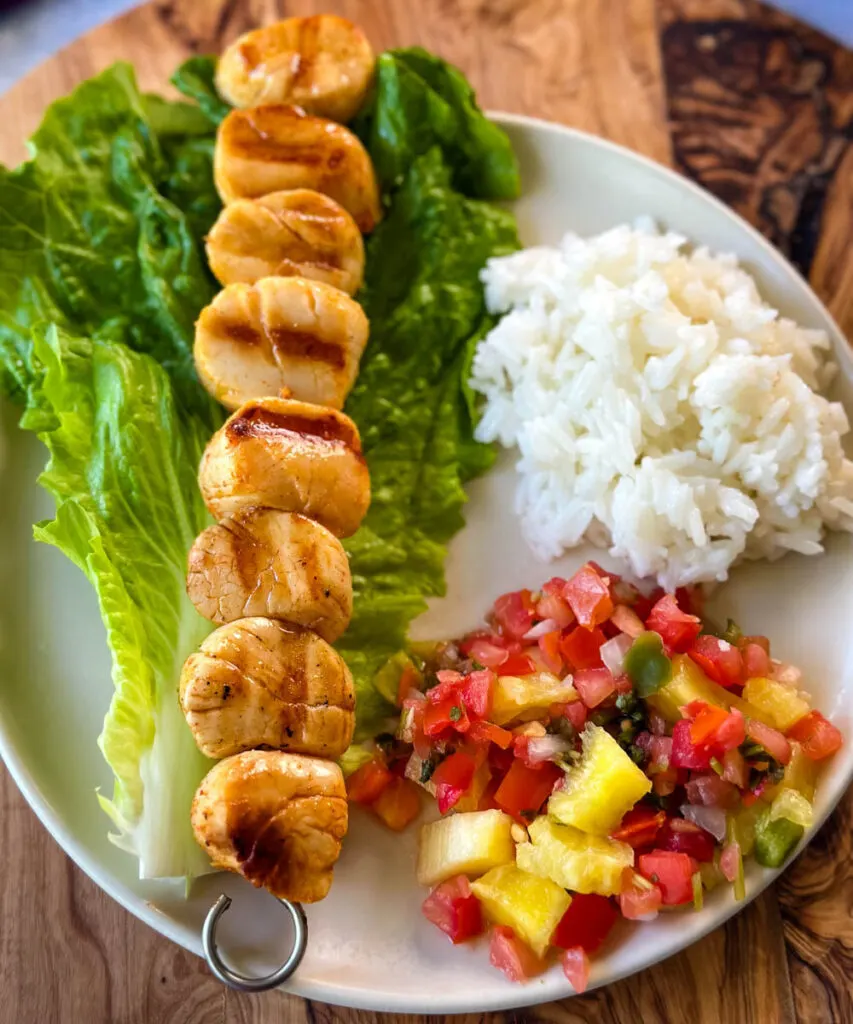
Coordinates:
[122,473]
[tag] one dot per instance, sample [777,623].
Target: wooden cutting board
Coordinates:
[747,102]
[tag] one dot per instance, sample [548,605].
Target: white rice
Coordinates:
[660,407]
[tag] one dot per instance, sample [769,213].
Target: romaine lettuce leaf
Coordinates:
[122,472]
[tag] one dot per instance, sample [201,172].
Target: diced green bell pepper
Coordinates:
[646,665]
[774,840]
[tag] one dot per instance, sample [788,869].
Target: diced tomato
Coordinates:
[575,964]
[398,804]
[581,648]
[366,784]
[640,826]
[575,712]
[523,790]
[487,798]
[410,679]
[554,587]
[627,621]
[690,600]
[553,606]
[677,629]
[637,901]
[447,686]
[452,778]
[486,653]
[712,791]
[549,648]
[730,861]
[486,732]
[447,714]
[454,909]
[586,923]
[719,660]
[735,769]
[660,753]
[467,644]
[512,956]
[761,641]
[684,753]
[756,662]
[588,595]
[501,760]
[594,685]
[673,872]
[517,665]
[476,692]
[771,739]
[514,613]
[819,738]
[688,838]
[645,602]
[420,741]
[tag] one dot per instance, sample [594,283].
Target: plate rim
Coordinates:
[524,995]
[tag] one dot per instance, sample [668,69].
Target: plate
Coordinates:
[369,947]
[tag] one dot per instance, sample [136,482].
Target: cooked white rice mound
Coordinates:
[660,406]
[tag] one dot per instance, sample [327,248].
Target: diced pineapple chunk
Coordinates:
[518,698]
[601,788]
[470,799]
[574,859]
[464,844]
[801,773]
[792,806]
[690,683]
[780,705]
[530,905]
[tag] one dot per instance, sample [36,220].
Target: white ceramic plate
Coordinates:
[369,947]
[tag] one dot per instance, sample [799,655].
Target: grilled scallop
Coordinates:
[300,233]
[280,334]
[278,564]
[287,455]
[323,64]
[270,148]
[276,819]
[256,682]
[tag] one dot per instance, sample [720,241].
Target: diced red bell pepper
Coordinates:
[638,901]
[719,660]
[586,923]
[704,725]
[476,692]
[549,648]
[454,909]
[398,804]
[626,620]
[676,628]
[684,753]
[672,872]
[523,790]
[594,685]
[410,679]
[581,648]
[513,613]
[771,739]
[588,595]
[818,736]
[512,956]
[366,783]
[575,964]
[687,838]
[640,826]
[554,606]
[756,662]
[487,732]
[452,778]
[447,714]
[517,665]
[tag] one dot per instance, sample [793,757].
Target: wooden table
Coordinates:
[756,108]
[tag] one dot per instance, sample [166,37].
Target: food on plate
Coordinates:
[292,456]
[675,750]
[281,334]
[275,147]
[323,64]
[296,233]
[257,682]
[660,407]
[277,819]
[279,564]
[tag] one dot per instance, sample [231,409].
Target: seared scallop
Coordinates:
[276,819]
[291,456]
[278,564]
[323,64]
[300,233]
[280,334]
[270,148]
[257,682]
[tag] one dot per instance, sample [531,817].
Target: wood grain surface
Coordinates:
[759,110]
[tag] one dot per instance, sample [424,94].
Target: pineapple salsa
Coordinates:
[593,752]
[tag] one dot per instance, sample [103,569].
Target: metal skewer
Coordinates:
[230,977]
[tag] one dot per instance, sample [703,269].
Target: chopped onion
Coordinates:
[657,723]
[540,629]
[712,819]
[614,651]
[712,791]
[546,748]
[784,673]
